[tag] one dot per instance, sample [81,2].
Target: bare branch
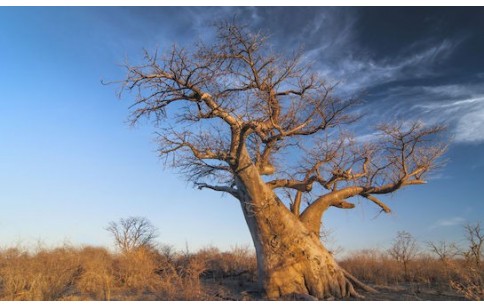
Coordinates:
[239,106]
[383,206]
[226,189]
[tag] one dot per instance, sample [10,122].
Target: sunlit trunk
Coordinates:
[291,259]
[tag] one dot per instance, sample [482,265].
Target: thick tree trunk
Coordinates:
[291,259]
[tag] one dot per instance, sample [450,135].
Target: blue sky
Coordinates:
[70,163]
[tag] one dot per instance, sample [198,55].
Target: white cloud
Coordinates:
[463,111]
[448,222]
[470,127]
[460,107]
[367,138]
[439,176]
[358,73]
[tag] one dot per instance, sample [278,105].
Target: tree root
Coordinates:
[351,290]
[358,283]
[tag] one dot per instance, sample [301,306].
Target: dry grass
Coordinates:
[95,273]
[451,276]
[45,275]
[240,261]
[373,266]
[97,278]
[468,280]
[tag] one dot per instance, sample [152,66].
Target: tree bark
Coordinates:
[291,258]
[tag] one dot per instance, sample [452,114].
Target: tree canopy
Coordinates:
[237,93]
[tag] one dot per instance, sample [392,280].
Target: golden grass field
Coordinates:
[95,273]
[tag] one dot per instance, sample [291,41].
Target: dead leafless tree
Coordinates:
[443,250]
[470,278]
[404,250]
[238,118]
[132,233]
[475,240]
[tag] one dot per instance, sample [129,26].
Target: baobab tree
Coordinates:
[237,118]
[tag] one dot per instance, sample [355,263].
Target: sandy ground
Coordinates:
[242,290]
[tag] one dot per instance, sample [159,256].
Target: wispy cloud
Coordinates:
[332,40]
[340,57]
[461,106]
[366,73]
[356,71]
[439,176]
[448,222]
[366,138]
[470,127]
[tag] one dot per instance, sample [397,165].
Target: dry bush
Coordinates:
[211,257]
[466,279]
[209,264]
[136,271]
[240,261]
[469,283]
[404,250]
[468,275]
[165,275]
[171,281]
[14,280]
[97,275]
[148,274]
[234,263]
[376,267]
[190,267]
[373,266]
[45,275]
[429,271]
[94,273]
[57,271]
